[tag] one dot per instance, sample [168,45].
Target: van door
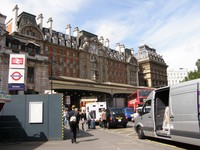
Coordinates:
[147,118]
[184,113]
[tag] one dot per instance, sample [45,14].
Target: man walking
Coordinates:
[73,123]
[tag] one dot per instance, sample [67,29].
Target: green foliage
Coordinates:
[194,74]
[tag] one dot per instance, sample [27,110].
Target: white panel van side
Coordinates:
[174,114]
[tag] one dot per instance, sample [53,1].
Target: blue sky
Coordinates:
[172,27]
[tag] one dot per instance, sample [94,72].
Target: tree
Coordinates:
[194,74]
[198,65]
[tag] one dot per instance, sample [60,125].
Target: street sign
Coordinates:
[19,87]
[16,76]
[17,61]
[5,98]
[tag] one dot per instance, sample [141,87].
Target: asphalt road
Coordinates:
[98,139]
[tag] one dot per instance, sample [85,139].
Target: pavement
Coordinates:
[83,137]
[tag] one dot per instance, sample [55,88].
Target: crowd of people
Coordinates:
[74,118]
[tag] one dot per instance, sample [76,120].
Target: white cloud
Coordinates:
[115,31]
[61,11]
[171,27]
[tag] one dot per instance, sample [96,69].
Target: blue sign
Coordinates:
[19,87]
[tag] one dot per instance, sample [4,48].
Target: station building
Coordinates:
[76,63]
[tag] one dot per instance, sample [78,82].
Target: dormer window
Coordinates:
[30,33]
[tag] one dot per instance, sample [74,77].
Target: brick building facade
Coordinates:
[82,55]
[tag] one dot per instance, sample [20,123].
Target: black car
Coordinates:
[116,117]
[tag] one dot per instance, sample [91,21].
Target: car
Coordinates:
[128,112]
[116,118]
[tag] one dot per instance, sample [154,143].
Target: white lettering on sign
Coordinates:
[17,61]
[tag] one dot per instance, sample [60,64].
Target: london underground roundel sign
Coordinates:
[16,76]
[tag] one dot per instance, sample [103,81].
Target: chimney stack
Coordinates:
[76,34]
[50,22]
[101,40]
[107,43]
[40,18]
[122,48]
[68,31]
[76,31]
[15,15]
[117,47]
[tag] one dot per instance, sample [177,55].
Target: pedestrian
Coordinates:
[78,117]
[83,120]
[65,117]
[92,121]
[103,118]
[89,118]
[72,118]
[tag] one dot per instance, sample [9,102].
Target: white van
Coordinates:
[96,108]
[174,113]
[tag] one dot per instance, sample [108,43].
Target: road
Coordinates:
[129,132]
[98,139]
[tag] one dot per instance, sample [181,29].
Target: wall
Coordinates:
[51,127]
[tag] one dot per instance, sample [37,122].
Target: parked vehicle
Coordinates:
[96,107]
[116,118]
[128,112]
[174,113]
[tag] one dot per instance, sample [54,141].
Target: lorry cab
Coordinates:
[174,113]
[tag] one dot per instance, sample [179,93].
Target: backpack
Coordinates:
[73,119]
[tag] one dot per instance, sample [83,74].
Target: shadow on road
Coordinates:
[80,134]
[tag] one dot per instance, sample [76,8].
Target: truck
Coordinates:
[174,113]
[95,109]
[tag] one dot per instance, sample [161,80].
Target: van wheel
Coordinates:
[140,133]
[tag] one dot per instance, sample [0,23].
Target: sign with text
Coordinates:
[17,86]
[5,98]
[17,61]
